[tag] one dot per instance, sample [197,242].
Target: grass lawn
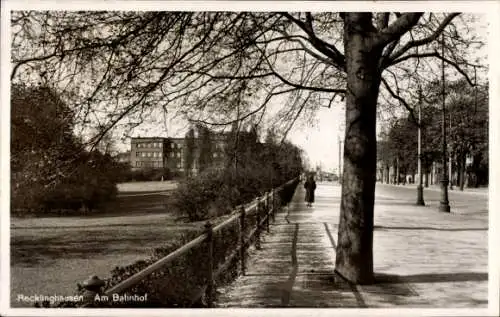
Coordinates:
[146,186]
[49,255]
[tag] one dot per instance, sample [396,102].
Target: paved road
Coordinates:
[422,257]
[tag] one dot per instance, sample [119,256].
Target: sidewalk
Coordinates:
[467,190]
[422,258]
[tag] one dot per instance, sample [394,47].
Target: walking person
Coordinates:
[310,186]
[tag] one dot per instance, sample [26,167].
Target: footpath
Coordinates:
[422,259]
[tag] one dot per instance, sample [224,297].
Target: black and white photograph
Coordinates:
[249,155]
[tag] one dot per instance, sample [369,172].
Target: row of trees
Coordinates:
[244,168]
[467,137]
[50,167]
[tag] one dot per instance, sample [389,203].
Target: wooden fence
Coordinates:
[264,208]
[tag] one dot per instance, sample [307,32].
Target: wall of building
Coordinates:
[147,153]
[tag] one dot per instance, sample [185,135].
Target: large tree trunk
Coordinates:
[354,258]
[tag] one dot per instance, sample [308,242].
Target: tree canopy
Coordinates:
[120,67]
[467,126]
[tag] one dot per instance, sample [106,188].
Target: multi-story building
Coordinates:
[159,152]
[148,152]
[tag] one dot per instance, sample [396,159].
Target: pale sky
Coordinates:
[320,142]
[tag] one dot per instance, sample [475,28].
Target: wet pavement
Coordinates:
[422,258]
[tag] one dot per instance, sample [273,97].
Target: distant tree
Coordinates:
[467,125]
[189,152]
[205,146]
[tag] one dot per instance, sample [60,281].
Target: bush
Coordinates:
[91,182]
[216,192]
[204,196]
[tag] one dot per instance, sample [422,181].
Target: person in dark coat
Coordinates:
[310,186]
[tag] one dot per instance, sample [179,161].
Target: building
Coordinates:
[159,152]
[148,152]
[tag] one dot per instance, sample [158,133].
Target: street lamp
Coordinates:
[340,160]
[444,204]
[450,154]
[420,188]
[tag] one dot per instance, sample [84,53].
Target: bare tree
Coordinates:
[121,67]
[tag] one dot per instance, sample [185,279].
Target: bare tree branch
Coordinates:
[399,27]
[326,48]
[437,55]
[427,39]
[401,100]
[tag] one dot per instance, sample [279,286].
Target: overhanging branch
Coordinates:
[401,100]
[437,55]
[447,20]
[399,27]
[324,47]
[301,86]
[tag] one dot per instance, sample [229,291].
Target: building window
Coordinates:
[159,154]
[178,165]
[179,154]
[215,154]
[137,164]
[172,145]
[137,154]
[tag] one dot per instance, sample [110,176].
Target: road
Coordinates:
[422,257]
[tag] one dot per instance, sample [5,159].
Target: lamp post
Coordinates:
[444,204]
[340,161]
[450,171]
[420,188]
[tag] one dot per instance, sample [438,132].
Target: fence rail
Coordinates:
[264,208]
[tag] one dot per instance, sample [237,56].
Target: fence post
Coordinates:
[242,240]
[210,264]
[267,209]
[257,232]
[93,286]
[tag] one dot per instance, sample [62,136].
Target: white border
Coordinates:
[492,7]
